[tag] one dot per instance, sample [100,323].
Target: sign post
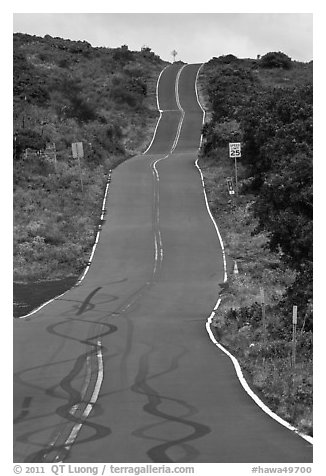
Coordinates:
[263,311]
[294,334]
[78,153]
[234,153]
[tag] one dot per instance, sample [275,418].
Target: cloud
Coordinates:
[196,36]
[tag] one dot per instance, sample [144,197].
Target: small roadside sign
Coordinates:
[229,183]
[234,149]
[77,150]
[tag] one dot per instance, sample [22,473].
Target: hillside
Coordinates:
[266,105]
[64,92]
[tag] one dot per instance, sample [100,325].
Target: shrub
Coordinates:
[123,54]
[27,139]
[275,60]
[29,83]
[226,59]
[245,315]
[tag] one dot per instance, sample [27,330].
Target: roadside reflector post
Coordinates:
[263,311]
[294,334]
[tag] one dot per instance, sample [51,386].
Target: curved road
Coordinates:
[121,368]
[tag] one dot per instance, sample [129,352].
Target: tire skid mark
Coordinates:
[73,410]
[25,409]
[85,409]
[86,302]
[159,453]
[80,404]
[57,449]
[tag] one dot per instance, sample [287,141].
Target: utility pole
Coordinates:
[174,54]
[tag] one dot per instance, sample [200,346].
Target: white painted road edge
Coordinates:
[209,321]
[158,108]
[201,107]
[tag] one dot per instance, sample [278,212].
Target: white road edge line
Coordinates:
[235,362]
[158,108]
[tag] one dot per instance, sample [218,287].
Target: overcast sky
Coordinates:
[197,37]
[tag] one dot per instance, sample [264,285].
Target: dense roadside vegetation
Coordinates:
[266,105]
[64,92]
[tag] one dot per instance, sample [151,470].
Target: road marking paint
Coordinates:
[214,222]
[158,243]
[85,386]
[75,407]
[209,321]
[159,253]
[176,89]
[97,234]
[244,383]
[201,107]
[158,108]
[100,375]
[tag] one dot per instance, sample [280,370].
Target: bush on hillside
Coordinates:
[275,60]
[27,139]
[29,83]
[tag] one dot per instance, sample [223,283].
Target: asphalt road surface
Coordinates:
[121,368]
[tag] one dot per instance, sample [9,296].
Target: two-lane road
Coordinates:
[121,368]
